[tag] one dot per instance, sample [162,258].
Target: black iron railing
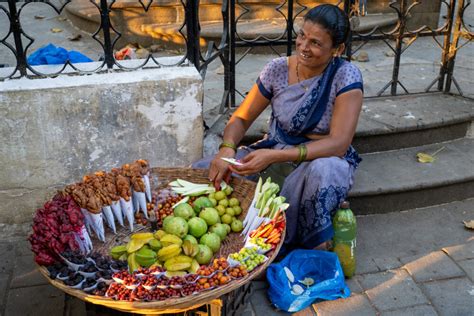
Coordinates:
[107,39]
[454,32]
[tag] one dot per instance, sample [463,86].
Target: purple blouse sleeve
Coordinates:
[348,78]
[265,81]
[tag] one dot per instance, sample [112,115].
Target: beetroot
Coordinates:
[54,227]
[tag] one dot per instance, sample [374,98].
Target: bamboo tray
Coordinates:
[243,190]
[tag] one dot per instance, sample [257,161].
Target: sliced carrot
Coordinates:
[273,234]
[274,241]
[265,229]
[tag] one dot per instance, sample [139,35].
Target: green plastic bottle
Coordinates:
[344,242]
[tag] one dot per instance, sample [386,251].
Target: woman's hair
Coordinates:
[333,19]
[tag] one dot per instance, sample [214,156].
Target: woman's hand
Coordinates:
[255,162]
[219,169]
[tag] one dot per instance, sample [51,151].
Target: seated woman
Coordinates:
[316,98]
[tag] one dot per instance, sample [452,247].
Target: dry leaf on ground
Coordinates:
[62,18]
[56,30]
[469,224]
[424,158]
[39,17]
[427,158]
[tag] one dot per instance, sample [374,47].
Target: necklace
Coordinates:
[298,76]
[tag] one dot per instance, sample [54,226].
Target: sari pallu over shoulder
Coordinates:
[311,108]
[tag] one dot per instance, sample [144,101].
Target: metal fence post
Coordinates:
[232,29]
[226,54]
[15,25]
[398,46]
[289,29]
[446,45]
[105,26]
[193,32]
[453,47]
[347,9]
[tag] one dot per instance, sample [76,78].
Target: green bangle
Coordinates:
[302,151]
[228,145]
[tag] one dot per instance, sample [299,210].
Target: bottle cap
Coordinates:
[345,205]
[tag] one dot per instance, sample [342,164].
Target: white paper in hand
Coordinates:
[232,161]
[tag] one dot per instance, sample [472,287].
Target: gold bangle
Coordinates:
[228,145]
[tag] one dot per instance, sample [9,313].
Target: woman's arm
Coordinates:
[347,108]
[252,106]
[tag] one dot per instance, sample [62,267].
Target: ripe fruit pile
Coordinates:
[56,227]
[151,285]
[164,201]
[249,258]
[157,250]
[260,244]
[189,237]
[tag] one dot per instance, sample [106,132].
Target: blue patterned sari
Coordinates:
[314,189]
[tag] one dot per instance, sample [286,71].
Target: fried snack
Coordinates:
[123,187]
[97,184]
[145,168]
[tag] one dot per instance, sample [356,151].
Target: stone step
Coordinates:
[389,123]
[138,26]
[394,180]
[269,28]
[391,131]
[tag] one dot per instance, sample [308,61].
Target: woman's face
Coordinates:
[314,47]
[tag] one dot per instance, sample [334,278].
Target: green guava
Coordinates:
[204,255]
[210,215]
[200,203]
[211,240]
[236,226]
[191,238]
[197,227]
[184,210]
[176,226]
[220,230]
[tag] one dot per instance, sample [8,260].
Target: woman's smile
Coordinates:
[314,49]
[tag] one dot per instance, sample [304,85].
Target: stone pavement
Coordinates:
[415,262]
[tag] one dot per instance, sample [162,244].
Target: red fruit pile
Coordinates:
[54,226]
[145,285]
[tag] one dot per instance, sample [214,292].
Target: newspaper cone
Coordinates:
[87,220]
[141,200]
[98,225]
[109,217]
[87,239]
[135,203]
[83,240]
[146,180]
[117,212]
[127,210]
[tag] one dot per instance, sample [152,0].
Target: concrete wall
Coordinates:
[53,131]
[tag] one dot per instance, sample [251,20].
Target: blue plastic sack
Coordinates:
[322,266]
[52,55]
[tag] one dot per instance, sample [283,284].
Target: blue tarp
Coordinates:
[52,55]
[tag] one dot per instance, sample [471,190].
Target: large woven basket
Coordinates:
[243,190]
